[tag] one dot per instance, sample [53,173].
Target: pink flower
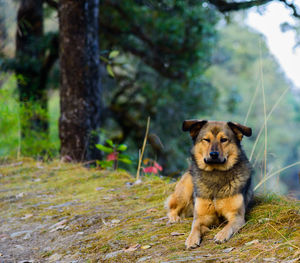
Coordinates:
[158,166]
[112,156]
[150,170]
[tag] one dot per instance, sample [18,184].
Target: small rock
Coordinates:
[113,254]
[253,242]
[145,247]
[99,188]
[132,248]
[144,259]
[152,210]
[58,228]
[61,205]
[19,247]
[20,195]
[54,257]
[176,234]
[115,221]
[137,182]
[263,220]
[26,261]
[27,216]
[39,166]
[129,184]
[37,180]
[227,250]
[163,218]
[79,233]
[62,222]
[20,233]
[27,236]
[269,259]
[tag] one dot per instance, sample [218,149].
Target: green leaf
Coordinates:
[110,71]
[104,59]
[110,143]
[104,148]
[122,147]
[113,54]
[105,164]
[125,160]
[122,155]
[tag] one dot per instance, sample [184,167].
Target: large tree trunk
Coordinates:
[3,33]
[32,92]
[80,91]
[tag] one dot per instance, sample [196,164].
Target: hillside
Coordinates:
[57,212]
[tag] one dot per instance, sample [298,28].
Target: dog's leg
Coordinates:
[204,216]
[233,209]
[181,200]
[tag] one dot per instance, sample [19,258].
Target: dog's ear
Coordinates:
[240,130]
[193,126]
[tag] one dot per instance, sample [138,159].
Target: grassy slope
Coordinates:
[98,197]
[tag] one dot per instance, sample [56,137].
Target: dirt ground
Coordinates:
[55,212]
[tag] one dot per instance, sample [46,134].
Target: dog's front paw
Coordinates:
[173,217]
[223,236]
[193,240]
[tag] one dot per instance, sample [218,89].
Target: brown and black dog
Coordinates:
[218,182]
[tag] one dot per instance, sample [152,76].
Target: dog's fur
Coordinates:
[213,187]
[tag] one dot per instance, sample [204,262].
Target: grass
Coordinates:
[114,215]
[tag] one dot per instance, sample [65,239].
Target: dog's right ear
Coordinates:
[193,126]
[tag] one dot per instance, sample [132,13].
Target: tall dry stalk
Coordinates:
[264,128]
[141,152]
[265,112]
[251,103]
[275,173]
[268,117]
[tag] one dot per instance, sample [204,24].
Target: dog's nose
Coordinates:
[214,155]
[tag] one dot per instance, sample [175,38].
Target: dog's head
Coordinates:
[216,143]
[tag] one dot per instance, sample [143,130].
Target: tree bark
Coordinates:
[3,33]
[29,56]
[80,90]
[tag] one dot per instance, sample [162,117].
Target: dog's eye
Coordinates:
[224,139]
[208,140]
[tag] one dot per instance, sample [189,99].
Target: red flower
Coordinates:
[112,156]
[150,170]
[158,166]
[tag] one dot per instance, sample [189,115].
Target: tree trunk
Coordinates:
[3,33]
[80,91]
[32,93]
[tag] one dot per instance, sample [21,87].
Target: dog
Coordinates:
[217,183]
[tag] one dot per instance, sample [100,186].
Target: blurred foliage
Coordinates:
[236,72]
[172,60]
[11,110]
[165,47]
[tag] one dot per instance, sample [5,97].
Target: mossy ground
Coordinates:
[101,215]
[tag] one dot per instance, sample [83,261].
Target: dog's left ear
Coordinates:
[193,126]
[240,130]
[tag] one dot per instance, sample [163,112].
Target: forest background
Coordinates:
[170,60]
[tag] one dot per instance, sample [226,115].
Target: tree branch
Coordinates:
[293,7]
[224,6]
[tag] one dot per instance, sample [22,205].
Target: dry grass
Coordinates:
[274,221]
